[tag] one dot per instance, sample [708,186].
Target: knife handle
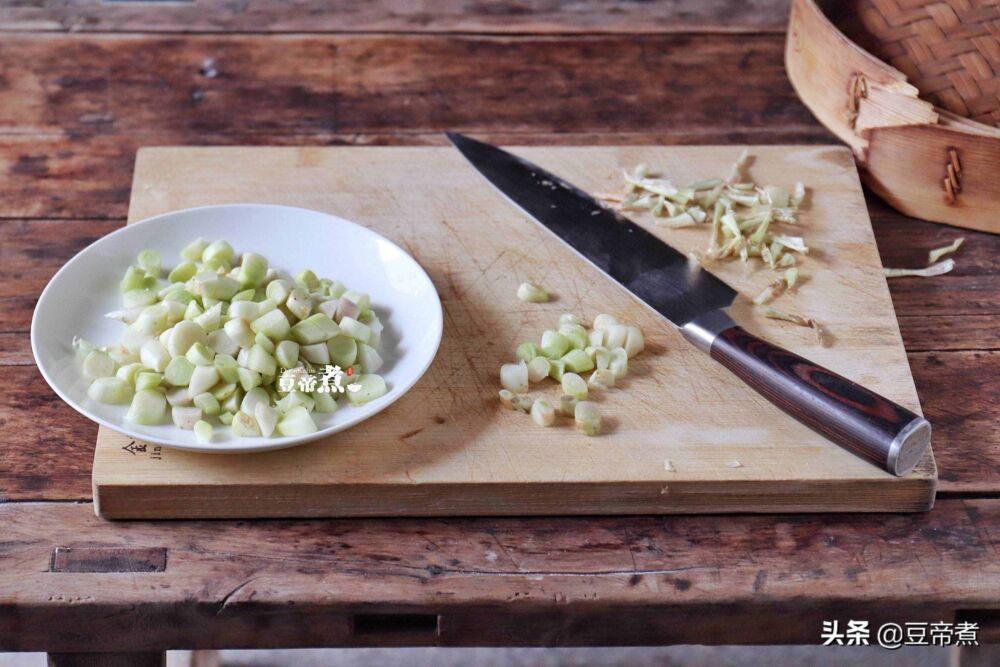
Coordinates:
[852,416]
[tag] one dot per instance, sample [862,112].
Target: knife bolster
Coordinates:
[703,330]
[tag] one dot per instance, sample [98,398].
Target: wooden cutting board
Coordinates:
[683,434]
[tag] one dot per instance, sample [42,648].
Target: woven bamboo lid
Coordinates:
[948,49]
[913,87]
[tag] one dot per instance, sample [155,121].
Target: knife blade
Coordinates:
[693,299]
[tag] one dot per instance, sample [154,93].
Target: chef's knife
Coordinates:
[854,417]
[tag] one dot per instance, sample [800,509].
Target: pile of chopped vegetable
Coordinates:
[745,221]
[565,354]
[238,341]
[744,217]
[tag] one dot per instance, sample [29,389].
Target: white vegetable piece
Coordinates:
[369,359]
[220,343]
[267,418]
[154,356]
[185,417]
[245,426]
[240,332]
[254,397]
[634,342]
[619,363]
[538,369]
[602,379]
[933,270]
[98,364]
[587,418]
[203,431]
[185,334]
[202,379]
[532,293]
[542,413]
[514,377]
[111,390]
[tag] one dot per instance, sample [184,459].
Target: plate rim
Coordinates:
[237,448]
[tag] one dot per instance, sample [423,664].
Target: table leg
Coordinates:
[146,659]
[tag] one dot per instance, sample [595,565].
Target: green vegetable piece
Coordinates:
[528,351]
[199,355]
[296,421]
[218,250]
[194,250]
[286,353]
[133,279]
[253,270]
[149,261]
[343,350]
[148,380]
[273,324]
[554,344]
[371,387]
[259,360]
[316,329]
[578,361]
[355,329]
[183,272]
[248,378]
[209,404]
[178,372]
[308,279]
[148,407]
[324,402]
[227,367]
[203,431]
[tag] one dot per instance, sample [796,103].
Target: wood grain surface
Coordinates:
[544,581]
[432,16]
[65,180]
[448,447]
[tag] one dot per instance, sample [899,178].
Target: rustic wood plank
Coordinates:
[31,251]
[310,16]
[956,311]
[50,452]
[546,581]
[958,392]
[283,85]
[58,141]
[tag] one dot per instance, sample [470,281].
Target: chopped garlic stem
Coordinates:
[532,293]
[933,270]
[938,253]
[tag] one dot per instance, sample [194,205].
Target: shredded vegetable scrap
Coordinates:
[745,220]
[933,270]
[775,314]
[938,253]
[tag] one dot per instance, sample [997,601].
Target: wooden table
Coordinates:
[82,85]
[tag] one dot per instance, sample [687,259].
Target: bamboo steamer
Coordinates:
[928,160]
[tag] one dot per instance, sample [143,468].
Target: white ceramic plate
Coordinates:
[75,300]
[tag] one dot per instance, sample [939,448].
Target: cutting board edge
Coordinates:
[184,501]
